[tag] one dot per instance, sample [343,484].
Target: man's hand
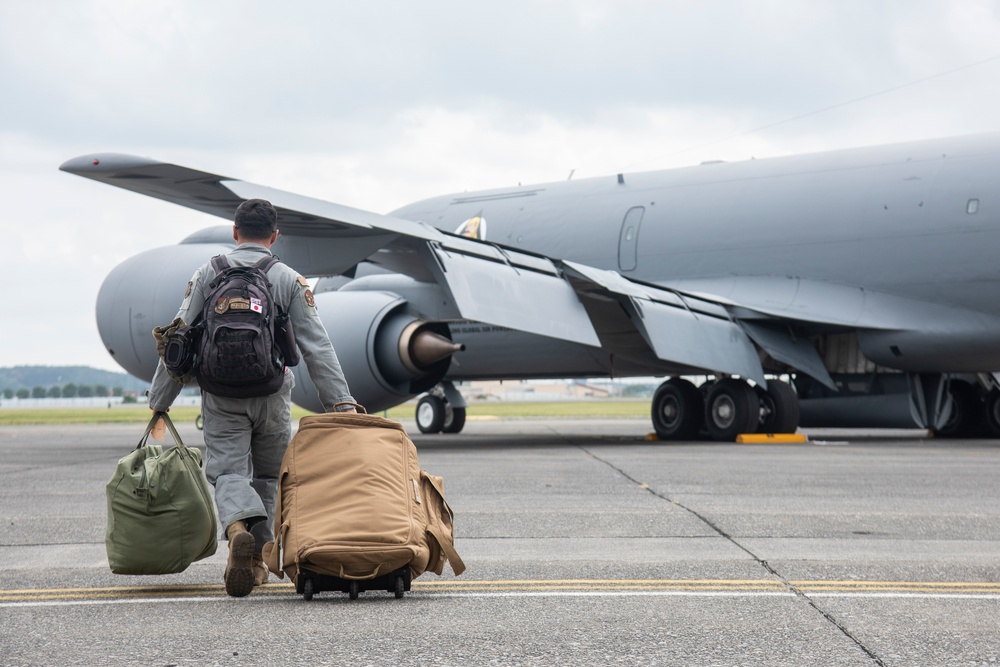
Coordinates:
[160,427]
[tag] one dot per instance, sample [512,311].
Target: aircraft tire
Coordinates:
[454,420]
[430,414]
[992,414]
[731,408]
[677,410]
[967,412]
[782,408]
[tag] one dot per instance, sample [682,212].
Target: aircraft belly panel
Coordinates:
[680,336]
[523,299]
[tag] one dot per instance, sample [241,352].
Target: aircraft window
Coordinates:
[972,207]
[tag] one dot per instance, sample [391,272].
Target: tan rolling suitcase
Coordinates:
[354,510]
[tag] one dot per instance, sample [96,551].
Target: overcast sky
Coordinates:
[376,104]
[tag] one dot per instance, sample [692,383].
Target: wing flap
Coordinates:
[679,328]
[796,352]
[503,294]
[683,336]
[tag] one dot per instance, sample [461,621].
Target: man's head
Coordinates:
[256,221]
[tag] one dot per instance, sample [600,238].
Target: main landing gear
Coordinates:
[974,411]
[723,409]
[441,410]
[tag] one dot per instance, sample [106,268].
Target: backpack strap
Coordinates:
[265,263]
[219,264]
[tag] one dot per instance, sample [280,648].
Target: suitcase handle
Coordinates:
[360,408]
[344,575]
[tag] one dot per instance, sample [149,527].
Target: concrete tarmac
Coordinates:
[585,545]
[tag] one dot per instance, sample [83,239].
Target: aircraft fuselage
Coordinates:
[918,221]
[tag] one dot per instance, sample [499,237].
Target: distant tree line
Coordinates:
[70,390]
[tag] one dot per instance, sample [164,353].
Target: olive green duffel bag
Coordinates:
[161,516]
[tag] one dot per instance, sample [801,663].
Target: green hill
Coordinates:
[29,377]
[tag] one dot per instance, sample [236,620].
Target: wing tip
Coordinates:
[103,163]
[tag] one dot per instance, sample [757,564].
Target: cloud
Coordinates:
[378,104]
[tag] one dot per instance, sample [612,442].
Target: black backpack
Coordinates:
[240,352]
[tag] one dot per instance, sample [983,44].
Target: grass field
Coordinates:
[498,410]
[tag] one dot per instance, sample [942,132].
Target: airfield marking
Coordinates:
[529,588]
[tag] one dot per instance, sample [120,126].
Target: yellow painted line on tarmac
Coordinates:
[955,587]
[110,593]
[602,584]
[539,587]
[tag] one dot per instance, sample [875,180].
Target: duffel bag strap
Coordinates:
[271,555]
[271,552]
[170,427]
[448,547]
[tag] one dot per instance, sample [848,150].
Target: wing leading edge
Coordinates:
[487,282]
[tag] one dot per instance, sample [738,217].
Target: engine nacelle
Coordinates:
[387,353]
[143,292]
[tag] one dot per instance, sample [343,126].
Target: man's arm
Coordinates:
[164,389]
[317,351]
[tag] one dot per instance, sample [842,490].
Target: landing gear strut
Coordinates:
[441,410]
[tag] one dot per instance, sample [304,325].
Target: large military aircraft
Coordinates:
[857,287]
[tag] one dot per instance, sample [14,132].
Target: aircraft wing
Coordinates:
[487,282]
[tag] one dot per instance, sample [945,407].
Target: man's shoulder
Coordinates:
[282,270]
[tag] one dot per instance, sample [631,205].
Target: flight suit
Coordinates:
[246,438]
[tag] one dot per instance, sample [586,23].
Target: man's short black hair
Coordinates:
[256,219]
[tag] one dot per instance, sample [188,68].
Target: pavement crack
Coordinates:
[732,540]
[704,519]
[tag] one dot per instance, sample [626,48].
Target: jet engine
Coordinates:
[387,352]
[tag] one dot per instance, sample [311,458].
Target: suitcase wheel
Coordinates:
[308,588]
[354,590]
[400,586]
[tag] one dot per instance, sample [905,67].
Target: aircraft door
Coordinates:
[628,240]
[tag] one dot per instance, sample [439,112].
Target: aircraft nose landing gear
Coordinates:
[441,410]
